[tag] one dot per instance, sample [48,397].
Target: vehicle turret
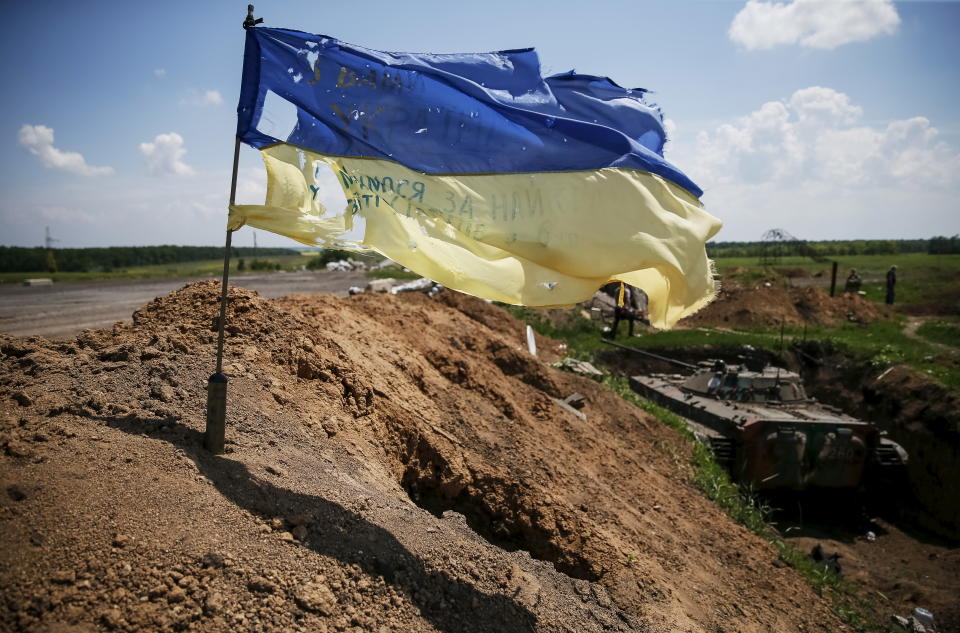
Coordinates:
[735,382]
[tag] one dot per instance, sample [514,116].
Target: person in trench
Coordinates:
[891,282]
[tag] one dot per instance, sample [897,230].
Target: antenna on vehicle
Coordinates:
[781,351]
[803,343]
[781,335]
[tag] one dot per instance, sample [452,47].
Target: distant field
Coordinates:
[866,265]
[204,268]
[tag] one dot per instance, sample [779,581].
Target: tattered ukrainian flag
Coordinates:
[476,172]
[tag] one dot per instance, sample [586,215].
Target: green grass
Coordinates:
[880,344]
[908,264]
[204,268]
[943,332]
[764,339]
[884,343]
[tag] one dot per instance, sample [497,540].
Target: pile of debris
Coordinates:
[345,266]
[395,286]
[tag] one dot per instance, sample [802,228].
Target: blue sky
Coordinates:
[833,119]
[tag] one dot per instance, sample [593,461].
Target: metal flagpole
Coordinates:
[213,438]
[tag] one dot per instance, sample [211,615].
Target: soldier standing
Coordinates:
[891,282]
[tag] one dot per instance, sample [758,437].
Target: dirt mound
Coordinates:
[792,273]
[775,304]
[393,464]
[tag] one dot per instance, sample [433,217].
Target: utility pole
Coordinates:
[48,240]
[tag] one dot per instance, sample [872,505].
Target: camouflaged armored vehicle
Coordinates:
[764,428]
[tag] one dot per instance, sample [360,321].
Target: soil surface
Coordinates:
[63,310]
[394,464]
[899,569]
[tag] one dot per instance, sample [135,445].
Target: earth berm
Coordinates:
[394,463]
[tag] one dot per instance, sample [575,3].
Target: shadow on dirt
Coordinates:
[838,515]
[496,508]
[447,603]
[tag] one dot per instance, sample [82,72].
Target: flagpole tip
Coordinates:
[251,21]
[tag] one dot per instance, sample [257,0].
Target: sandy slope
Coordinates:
[394,464]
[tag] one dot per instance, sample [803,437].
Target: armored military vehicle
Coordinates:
[763,427]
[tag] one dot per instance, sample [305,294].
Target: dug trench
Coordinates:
[393,464]
[915,559]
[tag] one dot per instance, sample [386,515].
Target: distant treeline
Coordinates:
[16,259]
[935,246]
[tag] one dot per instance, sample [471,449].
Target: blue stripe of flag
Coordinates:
[450,113]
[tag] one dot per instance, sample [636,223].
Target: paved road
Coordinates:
[63,310]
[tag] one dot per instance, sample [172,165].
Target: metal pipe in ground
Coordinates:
[214,436]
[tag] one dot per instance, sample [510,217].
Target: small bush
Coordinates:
[326,256]
[264,264]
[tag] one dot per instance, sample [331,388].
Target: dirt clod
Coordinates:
[15,492]
[63,577]
[317,597]
[261,585]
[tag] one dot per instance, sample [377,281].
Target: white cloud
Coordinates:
[135,209]
[160,72]
[812,23]
[809,163]
[820,105]
[816,135]
[59,214]
[252,185]
[38,140]
[164,155]
[670,127]
[200,99]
